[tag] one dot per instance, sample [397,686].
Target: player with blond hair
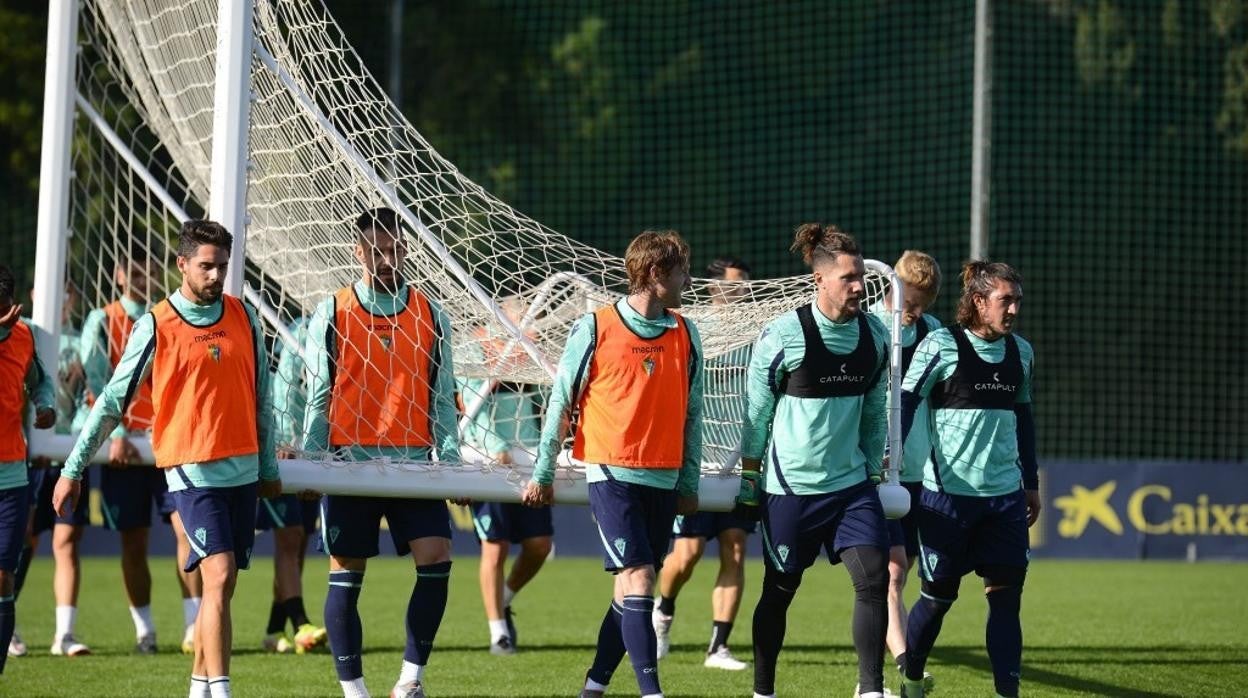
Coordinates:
[633,370]
[920,280]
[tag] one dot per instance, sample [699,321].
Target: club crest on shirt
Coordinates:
[648,364]
[214,352]
[386,341]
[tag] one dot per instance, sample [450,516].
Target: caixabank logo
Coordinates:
[1152,509]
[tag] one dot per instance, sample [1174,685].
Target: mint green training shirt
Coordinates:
[822,445]
[289,399]
[570,383]
[136,362]
[42,393]
[321,340]
[976,450]
[918,446]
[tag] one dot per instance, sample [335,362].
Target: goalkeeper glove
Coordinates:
[748,494]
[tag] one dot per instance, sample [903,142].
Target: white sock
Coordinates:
[190,610]
[508,595]
[409,673]
[142,618]
[592,685]
[199,687]
[872,694]
[653,695]
[764,695]
[354,688]
[498,629]
[65,617]
[219,687]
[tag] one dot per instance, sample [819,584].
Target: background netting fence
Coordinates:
[1119,163]
[1119,168]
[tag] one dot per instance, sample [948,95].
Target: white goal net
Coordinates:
[325,144]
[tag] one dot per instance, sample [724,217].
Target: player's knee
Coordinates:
[539,547]
[6,583]
[1003,577]
[431,550]
[942,591]
[781,582]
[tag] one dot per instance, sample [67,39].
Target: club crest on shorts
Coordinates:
[201,535]
[620,544]
[214,352]
[333,533]
[932,559]
[783,551]
[486,521]
[648,364]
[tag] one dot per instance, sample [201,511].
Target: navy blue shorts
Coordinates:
[42,482]
[709,524]
[511,522]
[14,508]
[958,534]
[910,522]
[128,495]
[797,526]
[286,511]
[634,523]
[350,525]
[218,520]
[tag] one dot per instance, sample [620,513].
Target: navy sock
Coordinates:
[7,622]
[342,621]
[610,646]
[1004,637]
[425,609]
[921,630]
[770,622]
[277,618]
[295,611]
[639,639]
[23,566]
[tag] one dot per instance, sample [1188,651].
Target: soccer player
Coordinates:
[22,378]
[920,279]
[381,385]
[981,491]
[816,414]
[633,370]
[292,518]
[129,489]
[203,352]
[507,418]
[723,428]
[66,530]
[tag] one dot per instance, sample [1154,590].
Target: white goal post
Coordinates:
[133,109]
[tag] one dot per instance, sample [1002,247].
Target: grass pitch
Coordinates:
[1090,628]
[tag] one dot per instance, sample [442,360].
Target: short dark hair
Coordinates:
[720,266]
[378,219]
[197,232]
[8,283]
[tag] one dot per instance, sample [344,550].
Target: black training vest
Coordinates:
[907,353]
[977,384]
[824,374]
